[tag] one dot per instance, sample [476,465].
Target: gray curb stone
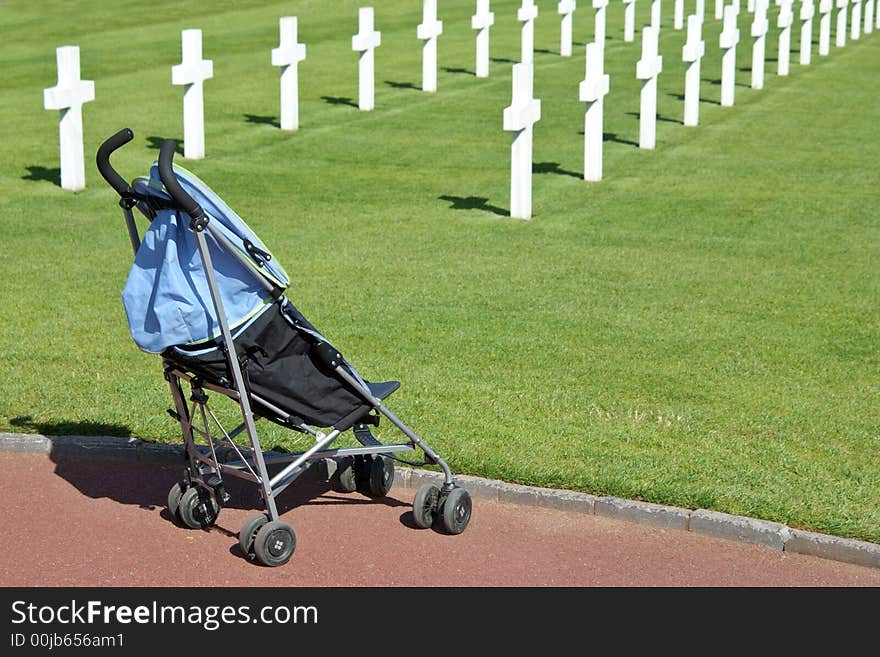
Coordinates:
[832,547]
[722,525]
[739,528]
[643,512]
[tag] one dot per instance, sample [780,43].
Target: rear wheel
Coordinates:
[174,496]
[381,473]
[274,543]
[345,478]
[198,508]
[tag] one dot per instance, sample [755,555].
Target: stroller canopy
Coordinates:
[166,297]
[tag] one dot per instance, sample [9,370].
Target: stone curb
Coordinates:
[773,535]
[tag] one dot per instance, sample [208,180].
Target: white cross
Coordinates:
[840,34]
[700,10]
[566,9]
[599,30]
[68,96]
[428,31]
[482,21]
[288,55]
[719,9]
[825,9]
[366,41]
[692,52]
[191,73]
[526,15]
[869,16]
[629,20]
[656,11]
[808,10]
[524,111]
[592,91]
[678,14]
[750,6]
[727,41]
[783,22]
[647,70]
[856,30]
[760,25]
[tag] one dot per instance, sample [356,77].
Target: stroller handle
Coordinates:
[169,179]
[112,143]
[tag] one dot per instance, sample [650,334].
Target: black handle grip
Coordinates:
[181,198]
[116,181]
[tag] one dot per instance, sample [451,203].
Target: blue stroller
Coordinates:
[206,294]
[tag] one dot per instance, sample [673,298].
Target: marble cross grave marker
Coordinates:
[760,25]
[647,70]
[593,90]
[191,73]
[428,31]
[692,52]
[808,10]
[869,17]
[856,22]
[599,30]
[526,15]
[519,118]
[366,41]
[629,20]
[825,9]
[783,22]
[840,33]
[68,96]
[719,9]
[656,11]
[728,40]
[288,55]
[678,15]
[482,21]
[700,10]
[566,9]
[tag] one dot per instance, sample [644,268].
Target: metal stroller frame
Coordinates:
[196,501]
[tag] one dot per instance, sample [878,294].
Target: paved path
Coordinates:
[104,523]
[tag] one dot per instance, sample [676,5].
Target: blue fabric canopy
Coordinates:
[166,296]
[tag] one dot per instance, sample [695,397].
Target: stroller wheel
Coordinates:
[381,475]
[174,496]
[425,505]
[345,478]
[198,507]
[456,511]
[249,532]
[274,543]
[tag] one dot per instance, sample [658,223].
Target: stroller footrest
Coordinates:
[364,436]
[383,390]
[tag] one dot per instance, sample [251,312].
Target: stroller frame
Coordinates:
[271,541]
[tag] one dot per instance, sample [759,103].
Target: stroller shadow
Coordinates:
[70,427]
[264,120]
[156,142]
[473,203]
[38,173]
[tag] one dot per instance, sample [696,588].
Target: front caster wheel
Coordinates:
[198,508]
[456,512]
[425,505]
[274,543]
[249,530]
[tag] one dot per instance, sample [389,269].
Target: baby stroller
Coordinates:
[206,294]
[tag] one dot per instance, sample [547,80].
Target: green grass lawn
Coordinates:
[699,329]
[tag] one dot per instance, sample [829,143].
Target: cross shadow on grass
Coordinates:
[463,71]
[339,100]
[265,120]
[717,81]
[156,142]
[473,203]
[47,174]
[553,167]
[702,100]
[70,427]
[502,60]
[613,136]
[402,85]
[660,117]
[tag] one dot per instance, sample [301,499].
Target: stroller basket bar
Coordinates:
[276,366]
